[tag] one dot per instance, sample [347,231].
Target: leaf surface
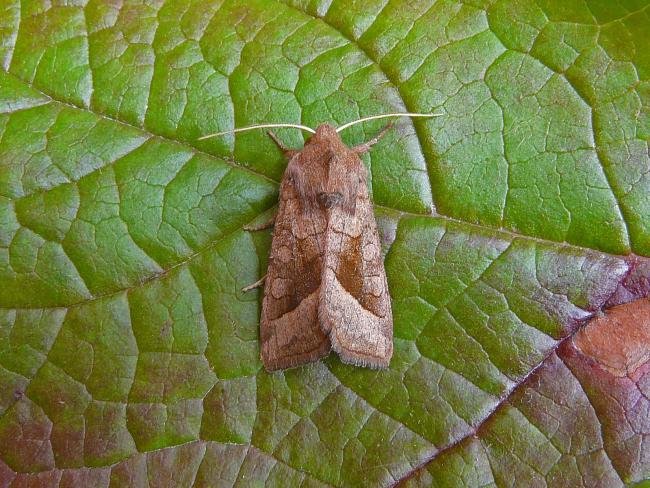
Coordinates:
[129,355]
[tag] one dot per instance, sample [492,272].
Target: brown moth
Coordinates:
[326,285]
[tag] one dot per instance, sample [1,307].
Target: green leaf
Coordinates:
[129,355]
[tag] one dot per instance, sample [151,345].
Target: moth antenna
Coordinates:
[383,116]
[257,126]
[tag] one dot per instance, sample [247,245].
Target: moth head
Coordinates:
[326,144]
[326,131]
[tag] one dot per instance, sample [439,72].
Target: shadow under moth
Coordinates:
[326,286]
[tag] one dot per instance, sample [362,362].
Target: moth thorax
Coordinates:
[329,199]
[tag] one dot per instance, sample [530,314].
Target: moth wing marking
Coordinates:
[355,304]
[289,327]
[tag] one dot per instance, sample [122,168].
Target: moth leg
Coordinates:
[288,152]
[257,284]
[264,225]
[365,147]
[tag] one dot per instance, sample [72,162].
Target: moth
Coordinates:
[325,288]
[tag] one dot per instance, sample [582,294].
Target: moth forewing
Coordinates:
[289,328]
[355,303]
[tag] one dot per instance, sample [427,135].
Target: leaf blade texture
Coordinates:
[510,225]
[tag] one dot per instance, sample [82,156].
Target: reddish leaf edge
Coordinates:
[634,285]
